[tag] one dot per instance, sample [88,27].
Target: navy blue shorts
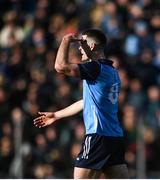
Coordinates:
[99,152]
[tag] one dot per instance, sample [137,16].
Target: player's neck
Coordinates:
[97,56]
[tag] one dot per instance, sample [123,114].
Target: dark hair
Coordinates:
[98,36]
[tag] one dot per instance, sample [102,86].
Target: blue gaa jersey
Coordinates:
[101,86]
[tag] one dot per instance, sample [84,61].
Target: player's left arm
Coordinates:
[62,65]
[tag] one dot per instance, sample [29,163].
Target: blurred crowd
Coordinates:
[30,34]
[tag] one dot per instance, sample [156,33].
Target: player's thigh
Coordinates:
[117,172]
[83,173]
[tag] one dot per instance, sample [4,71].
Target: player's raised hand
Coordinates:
[71,37]
[45,119]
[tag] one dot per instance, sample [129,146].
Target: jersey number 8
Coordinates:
[113,94]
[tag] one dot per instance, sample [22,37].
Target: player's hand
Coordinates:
[71,38]
[45,119]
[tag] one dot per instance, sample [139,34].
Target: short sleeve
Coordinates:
[89,70]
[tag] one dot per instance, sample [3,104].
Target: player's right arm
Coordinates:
[47,118]
[62,64]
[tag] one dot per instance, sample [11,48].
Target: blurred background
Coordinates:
[30,33]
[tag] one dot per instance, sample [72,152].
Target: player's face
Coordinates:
[83,53]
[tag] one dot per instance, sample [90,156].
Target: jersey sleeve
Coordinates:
[89,70]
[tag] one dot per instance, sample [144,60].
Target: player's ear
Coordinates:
[92,46]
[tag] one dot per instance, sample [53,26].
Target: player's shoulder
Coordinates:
[91,69]
[97,63]
[107,62]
